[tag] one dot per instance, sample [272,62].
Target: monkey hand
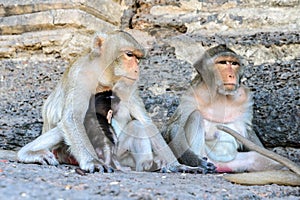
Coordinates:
[95,165]
[109,116]
[206,167]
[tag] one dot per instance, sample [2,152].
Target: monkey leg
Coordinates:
[194,133]
[248,161]
[135,140]
[189,145]
[38,151]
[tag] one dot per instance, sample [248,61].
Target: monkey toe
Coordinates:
[50,159]
[92,166]
[188,169]
[108,169]
[208,167]
[41,157]
[211,168]
[80,171]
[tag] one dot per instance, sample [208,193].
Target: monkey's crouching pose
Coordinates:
[113,56]
[216,98]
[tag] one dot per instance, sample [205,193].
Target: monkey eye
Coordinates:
[223,62]
[235,63]
[129,53]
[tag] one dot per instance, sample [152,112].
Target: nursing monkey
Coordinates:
[113,56]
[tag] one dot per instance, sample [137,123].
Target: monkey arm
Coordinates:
[189,141]
[137,109]
[72,123]
[159,145]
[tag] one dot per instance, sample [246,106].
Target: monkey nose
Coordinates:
[230,76]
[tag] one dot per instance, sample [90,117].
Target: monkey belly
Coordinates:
[221,150]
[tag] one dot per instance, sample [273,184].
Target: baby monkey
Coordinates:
[98,127]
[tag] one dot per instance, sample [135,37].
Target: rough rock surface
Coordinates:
[28,181]
[40,38]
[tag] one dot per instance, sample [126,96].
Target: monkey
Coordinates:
[281,177]
[106,103]
[216,97]
[99,130]
[113,56]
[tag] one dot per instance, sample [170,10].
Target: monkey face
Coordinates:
[127,66]
[227,68]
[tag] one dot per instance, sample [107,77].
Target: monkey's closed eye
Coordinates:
[129,53]
[235,63]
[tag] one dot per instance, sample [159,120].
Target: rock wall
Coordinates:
[38,39]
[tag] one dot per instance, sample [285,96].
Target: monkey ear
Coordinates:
[98,41]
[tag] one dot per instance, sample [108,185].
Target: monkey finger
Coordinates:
[164,170]
[188,169]
[47,159]
[108,169]
[208,166]
[99,168]
[80,171]
[211,168]
[92,166]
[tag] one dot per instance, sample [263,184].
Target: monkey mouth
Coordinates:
[229,86]
[132,79]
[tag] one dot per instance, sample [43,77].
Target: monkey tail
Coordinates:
[280,177]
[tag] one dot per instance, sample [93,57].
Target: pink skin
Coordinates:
[247,161]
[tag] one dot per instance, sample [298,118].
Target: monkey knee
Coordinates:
[195,115]
[222,152]
[135,125]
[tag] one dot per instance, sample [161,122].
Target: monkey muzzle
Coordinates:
[230,86]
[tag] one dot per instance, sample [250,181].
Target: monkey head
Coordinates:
[221,69]
[105,101]
[120,53]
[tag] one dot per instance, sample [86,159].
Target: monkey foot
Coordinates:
[96,166]
[204,168]
[41,157]
[82,172]
[189,169]
[91,166]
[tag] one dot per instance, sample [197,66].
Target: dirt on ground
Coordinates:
[32,181]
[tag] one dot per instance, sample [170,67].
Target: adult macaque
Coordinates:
[215,98]
[114,56]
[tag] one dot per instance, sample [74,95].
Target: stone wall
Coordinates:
[38,39]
